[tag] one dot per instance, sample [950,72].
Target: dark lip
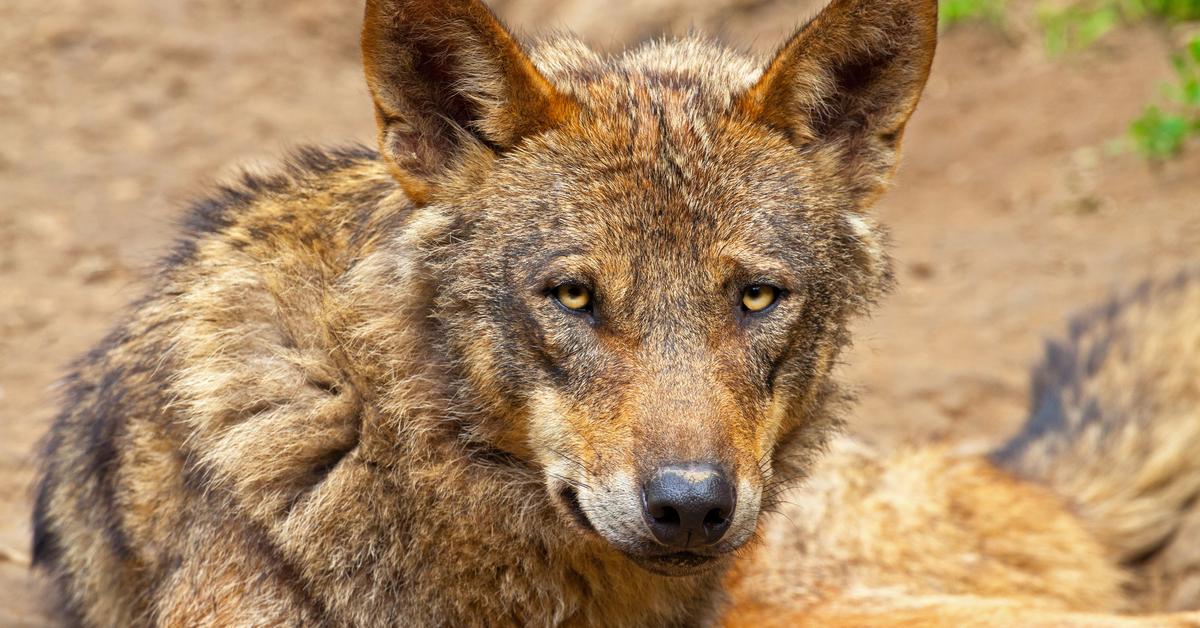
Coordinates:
[676,563]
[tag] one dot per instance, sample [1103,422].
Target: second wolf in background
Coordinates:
[1049,529]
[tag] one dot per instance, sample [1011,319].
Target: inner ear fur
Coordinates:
[447,77]
[849,80]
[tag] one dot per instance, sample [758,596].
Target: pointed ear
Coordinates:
[447,78]
[848,81]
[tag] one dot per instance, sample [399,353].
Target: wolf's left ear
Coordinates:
[448,79]
[848,81]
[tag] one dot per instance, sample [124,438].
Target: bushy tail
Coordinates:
[1115,423]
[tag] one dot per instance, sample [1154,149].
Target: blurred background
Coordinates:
[1055,157]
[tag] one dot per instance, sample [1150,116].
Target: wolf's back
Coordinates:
[1115,422]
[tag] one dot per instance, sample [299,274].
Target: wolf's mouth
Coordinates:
[676,563]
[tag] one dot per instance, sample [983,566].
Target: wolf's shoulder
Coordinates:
[314,201]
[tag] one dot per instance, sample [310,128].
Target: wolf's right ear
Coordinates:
[447,77]
[847,82]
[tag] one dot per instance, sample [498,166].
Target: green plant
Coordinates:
[1159,134]
[1079,24]
[1175,10]
[951,12]
[1161,131]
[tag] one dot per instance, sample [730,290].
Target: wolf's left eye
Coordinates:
[759,297]
[574,297]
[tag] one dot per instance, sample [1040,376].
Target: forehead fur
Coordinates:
[702,68]
[660,157]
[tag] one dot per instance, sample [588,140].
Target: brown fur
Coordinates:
[350,399]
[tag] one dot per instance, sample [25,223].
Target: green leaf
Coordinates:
[951,12]
[1179,62]
[1159,135]
[1189,92]
[1097,24]
[1134,10]
[1054,32]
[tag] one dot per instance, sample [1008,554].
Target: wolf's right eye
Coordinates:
[759,297]
[574,297]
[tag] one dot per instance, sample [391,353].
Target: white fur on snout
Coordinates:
[614,506]
[612,503]
[745,514]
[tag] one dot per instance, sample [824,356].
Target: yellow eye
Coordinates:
[758,297]
[573,296]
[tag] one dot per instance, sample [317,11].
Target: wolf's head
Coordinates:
[650,260]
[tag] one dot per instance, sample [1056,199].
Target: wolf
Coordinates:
[551,355]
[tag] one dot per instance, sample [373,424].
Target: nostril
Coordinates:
[715,517]
[669,517]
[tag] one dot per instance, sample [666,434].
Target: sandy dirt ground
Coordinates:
[1008,213]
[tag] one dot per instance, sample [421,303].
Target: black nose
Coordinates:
[688,505]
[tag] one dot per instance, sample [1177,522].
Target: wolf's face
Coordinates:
[653,259]
[650,305]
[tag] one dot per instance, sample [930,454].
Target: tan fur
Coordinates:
[350,398]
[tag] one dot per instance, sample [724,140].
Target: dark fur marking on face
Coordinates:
[807,351]
[673,80]
[524,324]
[667,151]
